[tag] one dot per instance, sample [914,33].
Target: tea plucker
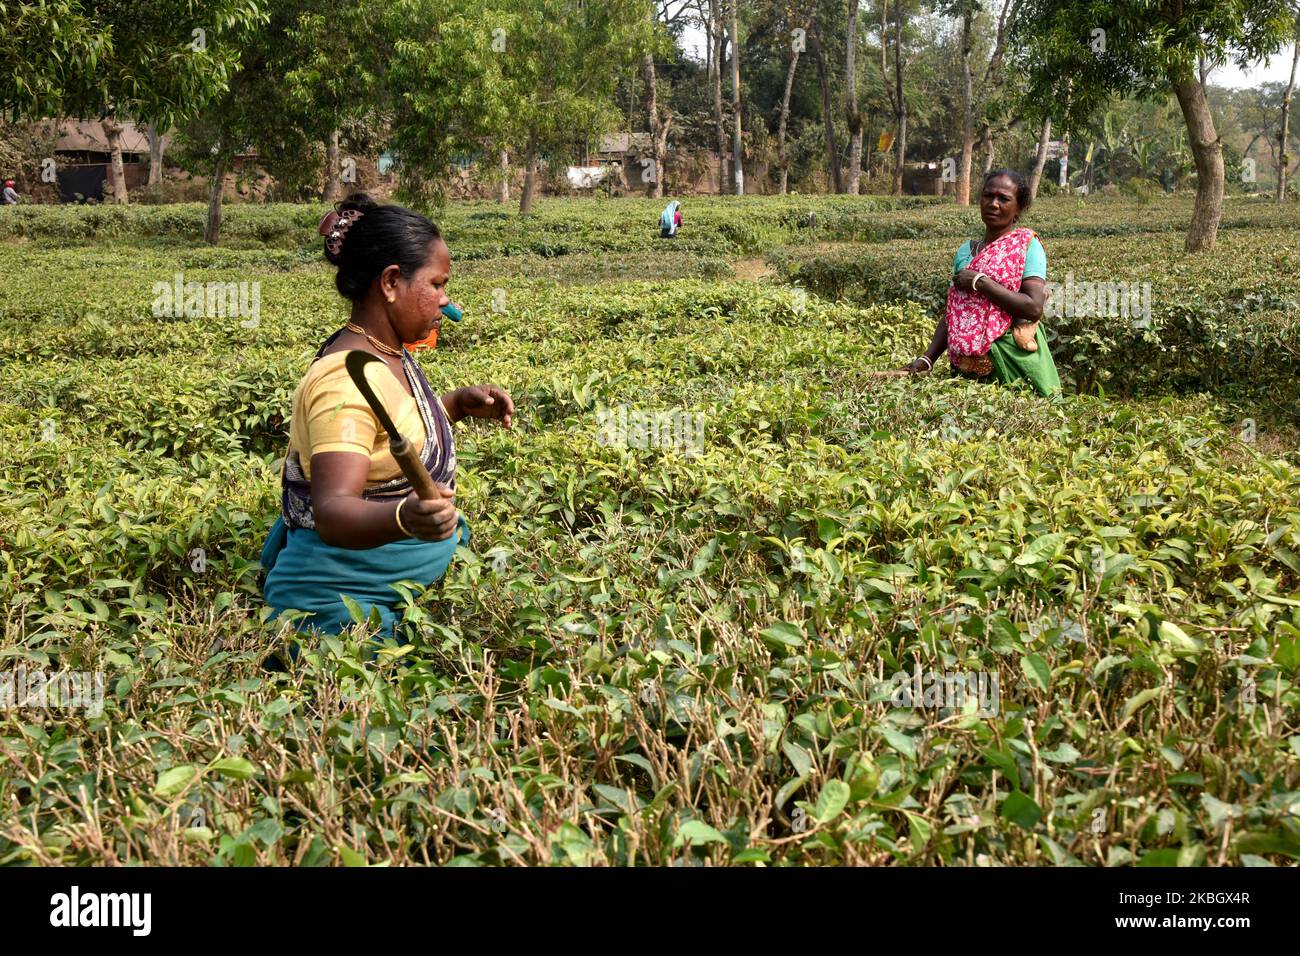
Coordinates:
[350,523]
[990,328]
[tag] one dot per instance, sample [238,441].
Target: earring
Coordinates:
[390,298]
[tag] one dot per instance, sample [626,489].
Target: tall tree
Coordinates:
[737,163]
[894,85]
[144,60]
[797,42]
[541,75]
[994,79]
[304,73]
[659,114]
[718,37]
[828,117]
[155,153]
[333,63]
[660,119]
[979,88]
[438,52]
[852,115]
[967,105]
[1285,120]
[333,170]
[210,140]
[1040,157]
[1148,47]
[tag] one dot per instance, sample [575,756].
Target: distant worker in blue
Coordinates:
[670,220]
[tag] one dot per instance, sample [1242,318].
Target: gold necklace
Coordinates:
[386,349]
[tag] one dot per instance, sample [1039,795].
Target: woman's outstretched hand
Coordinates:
[482,401]
[433,520]
[918,366]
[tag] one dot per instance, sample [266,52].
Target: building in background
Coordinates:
[82,159]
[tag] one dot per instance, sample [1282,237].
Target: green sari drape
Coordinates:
[1011,363]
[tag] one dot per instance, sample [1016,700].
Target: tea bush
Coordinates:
[650,655]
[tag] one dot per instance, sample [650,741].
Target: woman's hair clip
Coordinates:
[335,225]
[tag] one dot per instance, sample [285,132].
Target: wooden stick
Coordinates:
[413,468]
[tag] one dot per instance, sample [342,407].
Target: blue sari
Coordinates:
[303,573]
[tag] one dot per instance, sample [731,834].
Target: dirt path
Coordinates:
[753,269]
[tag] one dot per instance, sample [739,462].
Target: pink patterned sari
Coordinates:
[974,322]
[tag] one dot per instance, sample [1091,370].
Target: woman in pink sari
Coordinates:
[990,327]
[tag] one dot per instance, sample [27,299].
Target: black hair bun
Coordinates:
[379,235]
[356,202]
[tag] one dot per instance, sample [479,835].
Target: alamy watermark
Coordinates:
[1077,300]
[75,908]
[934,690]
[193,300]
[22,688]
[673,428]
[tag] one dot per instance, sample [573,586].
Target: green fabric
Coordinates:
[306,574]
[1011,363]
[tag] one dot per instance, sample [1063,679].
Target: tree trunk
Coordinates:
[985,147]
[213,232]
[900,151]
[658,126]
[737,161]
[155,154]
[503,188]
[832,151]
[113,134]
[1285,121]
[1207,153]
[853,118]
[967,114]
[1040,158]
[333,186]
[530,181]
[782,156]
[720,39]
[900,144]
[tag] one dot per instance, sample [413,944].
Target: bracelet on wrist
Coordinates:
[928,364]
[398,515]
[975,283]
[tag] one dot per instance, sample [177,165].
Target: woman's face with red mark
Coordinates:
[416,310]
[998,205]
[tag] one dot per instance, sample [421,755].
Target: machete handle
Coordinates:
[413,468]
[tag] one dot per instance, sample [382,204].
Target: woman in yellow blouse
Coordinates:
[350,525]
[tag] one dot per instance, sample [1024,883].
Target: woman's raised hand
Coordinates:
[433,520]
[483,401]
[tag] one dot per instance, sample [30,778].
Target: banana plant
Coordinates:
[1114,140]
[1143,152]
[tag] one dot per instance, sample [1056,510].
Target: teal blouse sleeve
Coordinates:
[1035,261]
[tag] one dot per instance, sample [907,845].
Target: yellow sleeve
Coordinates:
[337,416]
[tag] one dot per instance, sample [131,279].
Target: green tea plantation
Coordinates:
[731,637]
